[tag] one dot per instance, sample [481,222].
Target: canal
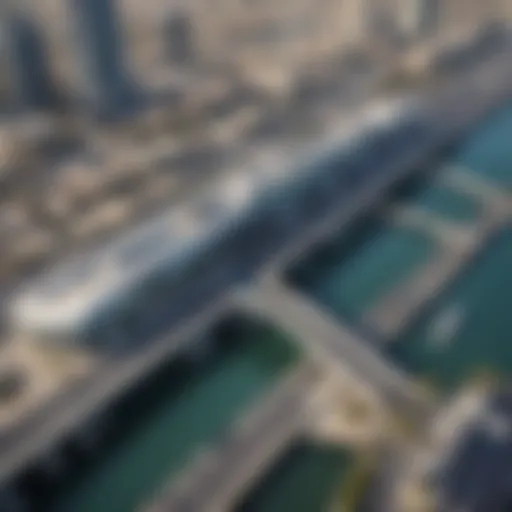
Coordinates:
[306,478]
[353,272]
[188,405]
[442,201]
[488,151]
[466,331]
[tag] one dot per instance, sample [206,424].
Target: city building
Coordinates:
[476,475]
[30,84]
[106,85]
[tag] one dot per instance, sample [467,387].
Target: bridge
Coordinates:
[335,344]
[218,479]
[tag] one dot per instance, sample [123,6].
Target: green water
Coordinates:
[348,282]
[488,151]
[447,203]
[470,327]
[183,408]
[305,479]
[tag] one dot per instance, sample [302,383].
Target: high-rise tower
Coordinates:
[29,82]
[106,85]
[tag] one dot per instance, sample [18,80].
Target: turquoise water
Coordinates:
[467,330]
[470,328]
[488,151]
[186,406]
[305,479]
[447,203]
[348,282]
[183,408]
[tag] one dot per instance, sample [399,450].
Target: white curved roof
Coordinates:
[65,297]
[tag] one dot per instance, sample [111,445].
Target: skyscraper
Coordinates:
[106,86]
[30,83]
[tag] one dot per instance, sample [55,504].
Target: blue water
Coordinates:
[348,282]
[488,151]
[469,330]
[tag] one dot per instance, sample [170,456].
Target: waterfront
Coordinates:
[191,404]
[351,275]
[465,332]
[187,406]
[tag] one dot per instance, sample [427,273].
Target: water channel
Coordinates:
[466,331]
[188,405]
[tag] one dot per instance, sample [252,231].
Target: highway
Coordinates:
[219,478]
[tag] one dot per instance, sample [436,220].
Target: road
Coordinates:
[336,344]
